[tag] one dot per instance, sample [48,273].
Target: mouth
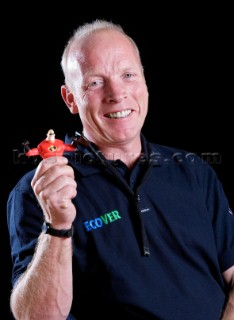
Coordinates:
[119,114]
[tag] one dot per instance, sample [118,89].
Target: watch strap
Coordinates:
[62,233]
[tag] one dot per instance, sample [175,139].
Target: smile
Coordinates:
[119,114]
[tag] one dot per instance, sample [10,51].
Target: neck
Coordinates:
[128,153]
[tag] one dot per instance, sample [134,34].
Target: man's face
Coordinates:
[111,93]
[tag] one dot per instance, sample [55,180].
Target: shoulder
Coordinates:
[22,196]
[168,154]
[24,183]
[180,160]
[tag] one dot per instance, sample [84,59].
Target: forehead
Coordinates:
[104,41]
[104,51]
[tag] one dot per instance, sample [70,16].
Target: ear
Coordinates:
[68,98]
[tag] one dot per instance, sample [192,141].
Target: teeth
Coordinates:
[119,114]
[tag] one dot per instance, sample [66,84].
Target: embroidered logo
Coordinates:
[101,221]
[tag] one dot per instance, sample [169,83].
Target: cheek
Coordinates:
[87,113]
[91,100]
[142,96]
[141,91]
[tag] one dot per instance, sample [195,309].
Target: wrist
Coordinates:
[47,228]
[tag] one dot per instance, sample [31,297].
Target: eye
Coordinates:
[128,75]
[95,83]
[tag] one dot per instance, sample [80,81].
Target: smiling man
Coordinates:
[121,228]
[108,91]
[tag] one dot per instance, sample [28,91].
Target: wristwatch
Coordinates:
[62,233]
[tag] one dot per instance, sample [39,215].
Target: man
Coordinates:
[124,228]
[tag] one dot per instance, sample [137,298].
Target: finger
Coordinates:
[46,165]
[51,175]
[64,196]
[45,187]
[58,205]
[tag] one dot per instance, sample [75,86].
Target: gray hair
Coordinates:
[69,61]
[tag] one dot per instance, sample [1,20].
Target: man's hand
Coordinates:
[55,187]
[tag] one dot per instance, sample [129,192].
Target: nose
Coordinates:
[115,92]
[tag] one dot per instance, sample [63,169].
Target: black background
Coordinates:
[188,59]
